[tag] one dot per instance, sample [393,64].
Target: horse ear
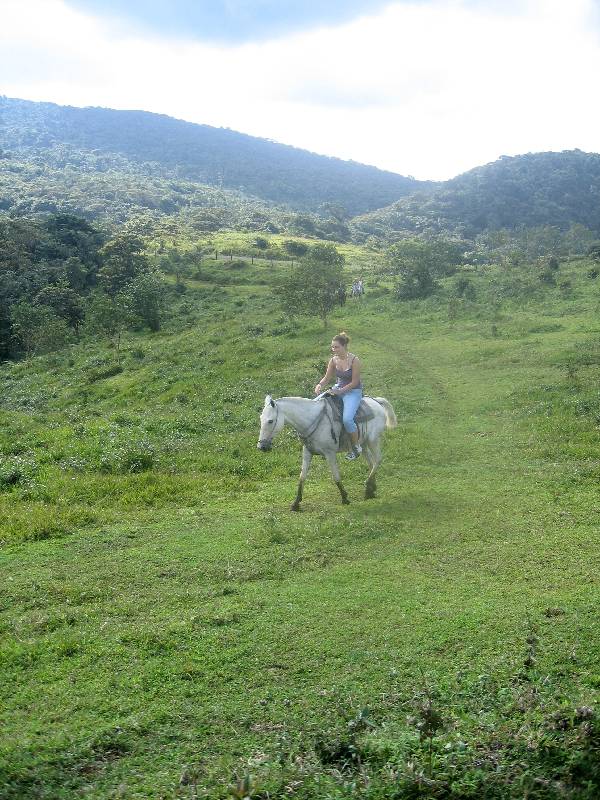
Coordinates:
[272,402]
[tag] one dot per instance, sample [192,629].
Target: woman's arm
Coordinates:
[327,377]
[355,377]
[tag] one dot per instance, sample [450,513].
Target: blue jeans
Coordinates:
[351,401]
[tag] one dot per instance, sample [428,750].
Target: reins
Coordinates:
[325,411]
[306,435]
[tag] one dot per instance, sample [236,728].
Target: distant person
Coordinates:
[341,295]
[345,367]
[357,288]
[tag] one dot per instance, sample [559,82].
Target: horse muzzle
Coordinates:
[264,445]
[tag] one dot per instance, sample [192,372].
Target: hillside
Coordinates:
[158,146]
[115,166]
[113,191]
[170,629]
[537,189]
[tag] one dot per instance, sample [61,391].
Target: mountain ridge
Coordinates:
[275,172]
[110,165]
[529,190]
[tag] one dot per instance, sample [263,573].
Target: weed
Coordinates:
[427,720]
[102,373]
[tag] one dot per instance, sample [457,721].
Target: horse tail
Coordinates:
[390,415]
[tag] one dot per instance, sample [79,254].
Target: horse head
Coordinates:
[271,422]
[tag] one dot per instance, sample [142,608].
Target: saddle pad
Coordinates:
[363,414]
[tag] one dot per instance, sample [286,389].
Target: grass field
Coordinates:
[169,629]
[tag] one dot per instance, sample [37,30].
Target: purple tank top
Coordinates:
[344,377]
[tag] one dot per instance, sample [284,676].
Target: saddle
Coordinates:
[336,408]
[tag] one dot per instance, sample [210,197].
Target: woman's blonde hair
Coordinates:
[342,338]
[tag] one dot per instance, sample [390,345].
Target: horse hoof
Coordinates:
[295,507]
[370,490]
[345,501]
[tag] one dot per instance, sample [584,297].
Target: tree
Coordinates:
[145,293]
[122,261]
[420,262]
[577,239]
[174,263]
[593,251]
[312,287]
[38,329]
[335,211]
[109,316]
[76,274]
[49,262]
[65,303]
[463,287]
[295,248]
[303,224]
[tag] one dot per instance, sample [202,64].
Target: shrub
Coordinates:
[15,470]
[127,458]
[38,329]
[547,276]
[463,287]
[104,372]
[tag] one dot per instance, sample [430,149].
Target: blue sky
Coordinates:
[229,21]
[429,88]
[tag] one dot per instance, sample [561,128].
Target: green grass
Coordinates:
[170,629]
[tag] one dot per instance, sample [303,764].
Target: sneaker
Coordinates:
[354,453]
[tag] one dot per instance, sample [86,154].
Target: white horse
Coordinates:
[313,422]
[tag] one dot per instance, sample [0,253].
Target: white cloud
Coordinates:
[429,89]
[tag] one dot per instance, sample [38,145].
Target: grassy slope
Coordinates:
[183,616]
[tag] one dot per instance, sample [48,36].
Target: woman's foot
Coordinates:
[354,453]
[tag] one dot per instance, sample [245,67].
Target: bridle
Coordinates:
[269,441]
[304,436]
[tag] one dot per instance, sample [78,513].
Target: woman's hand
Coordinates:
[318,389]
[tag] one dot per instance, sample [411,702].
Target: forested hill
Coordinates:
[557,189]
[161,146]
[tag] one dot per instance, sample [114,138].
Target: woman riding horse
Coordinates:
[345,367]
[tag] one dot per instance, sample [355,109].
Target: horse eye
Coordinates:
[270,422]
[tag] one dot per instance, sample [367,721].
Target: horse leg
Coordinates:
[331,460]
[306,459]
[369,486]
[373,455]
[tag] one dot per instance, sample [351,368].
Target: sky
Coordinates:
[428,88]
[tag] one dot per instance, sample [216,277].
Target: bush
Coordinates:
[104,372]
[566,288]
[38,329]
[463,287]
[14,470]
[416,284]
[593,251]
[128,458]
[547,276]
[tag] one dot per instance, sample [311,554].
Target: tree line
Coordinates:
[537,190]
[217,157]
[60,275]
